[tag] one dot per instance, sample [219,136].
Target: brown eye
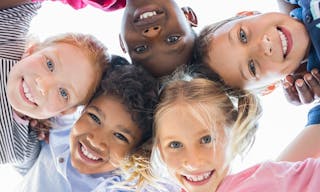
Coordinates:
[173,39]
[141,49]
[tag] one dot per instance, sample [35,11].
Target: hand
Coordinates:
[302,88]
[41,127]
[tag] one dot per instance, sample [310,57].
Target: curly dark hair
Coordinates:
[138,92]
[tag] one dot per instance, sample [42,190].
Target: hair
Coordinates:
[136,89]
[240,111]
[94,49]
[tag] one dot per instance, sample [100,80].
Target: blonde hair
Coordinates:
[94,49]
[239,111]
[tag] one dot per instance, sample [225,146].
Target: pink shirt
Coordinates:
[106,5]
[301,176]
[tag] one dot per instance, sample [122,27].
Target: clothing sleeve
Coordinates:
[314,115]
[105,5]
[18,144]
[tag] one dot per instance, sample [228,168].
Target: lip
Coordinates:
[85,159]
[288,35]
[150,20]
[23,96]
[198,183]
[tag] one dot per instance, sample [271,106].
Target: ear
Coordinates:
[29,51]
[123,47]
[190,16]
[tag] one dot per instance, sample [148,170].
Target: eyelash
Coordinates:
[94,118]
[173,39]
[206,139]
[121,137]
[176,143]
[141,49]
[243,36]
[252,68]
[50,65]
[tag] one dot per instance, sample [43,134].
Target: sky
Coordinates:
[280,122]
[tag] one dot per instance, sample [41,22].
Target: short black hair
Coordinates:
[138,92]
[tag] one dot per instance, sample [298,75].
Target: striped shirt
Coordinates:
[18,144]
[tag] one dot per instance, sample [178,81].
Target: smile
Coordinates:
[147,15]
[198,179]
[26,94]
[88,155]
[286,40]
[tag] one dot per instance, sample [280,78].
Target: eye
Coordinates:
[121,137]
[175,145]
[243,36]
[64,94]
[173,39]
[50,65]
[252,68]
[141,49]
[206,139]
[94,118]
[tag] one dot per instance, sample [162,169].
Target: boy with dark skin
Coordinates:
[157,34]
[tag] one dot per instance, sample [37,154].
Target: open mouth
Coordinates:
[147,15]
[286,41]
[26,93]
[199,179]
[88,155]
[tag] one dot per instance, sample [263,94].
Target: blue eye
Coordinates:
[50,65]
[252,68]
[63,93]
[175,145]
[121,137]
[243,36]
[173,39]
[94,118]
[141,49]
[206,139]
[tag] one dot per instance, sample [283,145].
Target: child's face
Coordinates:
[257,50]
[102,136]
[191,152]
[50,81]
[156,35]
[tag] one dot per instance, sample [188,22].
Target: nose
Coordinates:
[266,45]
[43,84]
[193,161]
[152,32]
[98,141]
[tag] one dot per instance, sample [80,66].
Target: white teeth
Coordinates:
[284,42]
[198,177]
[148,14]
[88,154]
[27,93]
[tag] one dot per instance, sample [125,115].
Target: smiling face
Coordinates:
[157,35]
[104,134]
[257,50]
[193,153]
[50,81]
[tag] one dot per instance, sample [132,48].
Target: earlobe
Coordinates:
[122,44]
[190,16]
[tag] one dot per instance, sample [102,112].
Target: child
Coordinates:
[158,35]
[265,48]
[116,122]
[45,80]
[212,127]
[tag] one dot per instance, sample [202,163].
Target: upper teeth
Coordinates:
[148,14]
[88,154]
[198,177]
[284,41]
[27,93]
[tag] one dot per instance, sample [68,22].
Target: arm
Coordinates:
[307,143]
[10,3]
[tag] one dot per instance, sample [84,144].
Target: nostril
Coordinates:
[146,31]
[155,28]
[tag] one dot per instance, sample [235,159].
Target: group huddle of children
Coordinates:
[189,99]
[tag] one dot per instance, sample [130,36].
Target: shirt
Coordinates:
[18,144]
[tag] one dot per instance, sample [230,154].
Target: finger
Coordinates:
[313,84]
[289,79]
[291,93]
[315,73]
[305,94]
